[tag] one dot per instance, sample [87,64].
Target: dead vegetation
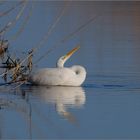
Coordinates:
[17,70]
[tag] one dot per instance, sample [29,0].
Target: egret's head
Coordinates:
[63,59]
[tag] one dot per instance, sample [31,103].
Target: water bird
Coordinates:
[60,76]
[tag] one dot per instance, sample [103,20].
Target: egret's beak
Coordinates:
[70,53]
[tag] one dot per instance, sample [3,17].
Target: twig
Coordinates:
[11,9]
[10,23]
[45,37]
[66,38]
[14,37]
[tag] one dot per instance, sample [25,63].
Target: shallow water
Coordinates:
[108,103]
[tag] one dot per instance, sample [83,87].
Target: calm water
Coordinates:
[108,103]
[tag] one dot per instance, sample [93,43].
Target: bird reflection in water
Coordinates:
[23,103]
[62,97]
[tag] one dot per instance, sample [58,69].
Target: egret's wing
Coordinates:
[52,76]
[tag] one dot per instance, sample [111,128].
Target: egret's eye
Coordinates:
[63,57]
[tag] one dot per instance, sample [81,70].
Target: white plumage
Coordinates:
[66,76]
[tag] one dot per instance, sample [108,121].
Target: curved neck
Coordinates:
[60,64]
[61,61]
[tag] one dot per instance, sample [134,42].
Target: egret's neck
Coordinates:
[60,64]
[61,61]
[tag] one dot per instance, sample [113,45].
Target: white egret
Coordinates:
[62,76]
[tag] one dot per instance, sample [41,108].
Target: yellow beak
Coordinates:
[70,53]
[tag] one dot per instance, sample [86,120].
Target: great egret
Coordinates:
[62,76]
